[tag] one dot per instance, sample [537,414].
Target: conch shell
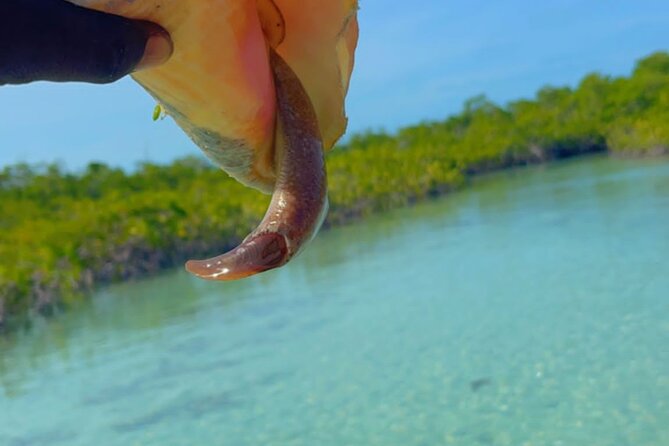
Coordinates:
[259,86]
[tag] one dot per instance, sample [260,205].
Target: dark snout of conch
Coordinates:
[255,255]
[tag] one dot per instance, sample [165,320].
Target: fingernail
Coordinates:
[157,51]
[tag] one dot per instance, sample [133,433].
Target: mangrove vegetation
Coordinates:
[64,233]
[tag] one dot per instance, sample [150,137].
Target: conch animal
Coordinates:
[259,86]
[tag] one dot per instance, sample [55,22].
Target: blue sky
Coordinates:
[416,61]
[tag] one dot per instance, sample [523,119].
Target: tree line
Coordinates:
[63,233]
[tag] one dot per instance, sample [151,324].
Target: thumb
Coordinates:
[55,40]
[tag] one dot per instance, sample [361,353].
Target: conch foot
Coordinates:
[299,202]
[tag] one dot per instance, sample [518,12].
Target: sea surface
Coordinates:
[529,309]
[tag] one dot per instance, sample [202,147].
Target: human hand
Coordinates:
[54,40]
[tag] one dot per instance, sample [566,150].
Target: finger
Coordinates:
[57,41]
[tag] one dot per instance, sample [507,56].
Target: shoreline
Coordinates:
[65,235]
[49,302]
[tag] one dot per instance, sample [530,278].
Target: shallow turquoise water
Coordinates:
[532,309]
